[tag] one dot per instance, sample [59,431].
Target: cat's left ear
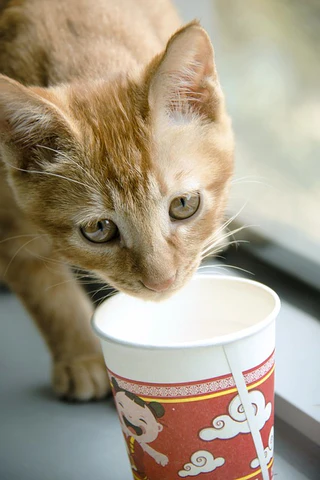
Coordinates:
[183,80]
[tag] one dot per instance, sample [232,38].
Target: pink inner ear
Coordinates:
[186,80]
[192,87]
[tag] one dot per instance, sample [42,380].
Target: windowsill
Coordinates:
[298,371]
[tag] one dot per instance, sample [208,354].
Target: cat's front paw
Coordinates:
[81,378]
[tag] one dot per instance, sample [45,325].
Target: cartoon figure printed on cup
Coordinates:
[140,426]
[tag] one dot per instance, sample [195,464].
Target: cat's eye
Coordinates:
[184,206]
[101,231]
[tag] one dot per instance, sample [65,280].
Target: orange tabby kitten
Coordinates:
[116,154]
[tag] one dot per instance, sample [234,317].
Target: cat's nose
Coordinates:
[161,286]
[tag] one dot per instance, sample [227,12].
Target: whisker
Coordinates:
[18,251]
[232,218]
[225,225]
[258,178]
[101,289]
[221,249]
[90,277]
[62,154]
[232,242]
[49,174]
[234,267]
[220,257]
[79,282]
[22,236]
[237,230]
[212,269]
[48,259]
[59,284]
[109,295]
[227,235]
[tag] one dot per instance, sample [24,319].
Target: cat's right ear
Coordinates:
[30,119]
[183,81]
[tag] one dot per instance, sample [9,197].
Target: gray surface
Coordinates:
[44,439]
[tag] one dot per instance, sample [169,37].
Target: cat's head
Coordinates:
[128,177]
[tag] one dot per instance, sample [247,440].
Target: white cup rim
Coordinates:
[210,342]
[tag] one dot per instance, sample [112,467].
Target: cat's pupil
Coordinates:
[185,206]
[101,231]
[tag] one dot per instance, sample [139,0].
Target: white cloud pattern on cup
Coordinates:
[268,451]
[201,462]
[229,426]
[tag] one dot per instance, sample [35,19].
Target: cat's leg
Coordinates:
[62,312]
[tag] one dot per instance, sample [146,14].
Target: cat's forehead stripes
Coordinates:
[114,119]
[113,132]
[131,197]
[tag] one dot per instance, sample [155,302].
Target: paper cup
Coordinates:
[193,379]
